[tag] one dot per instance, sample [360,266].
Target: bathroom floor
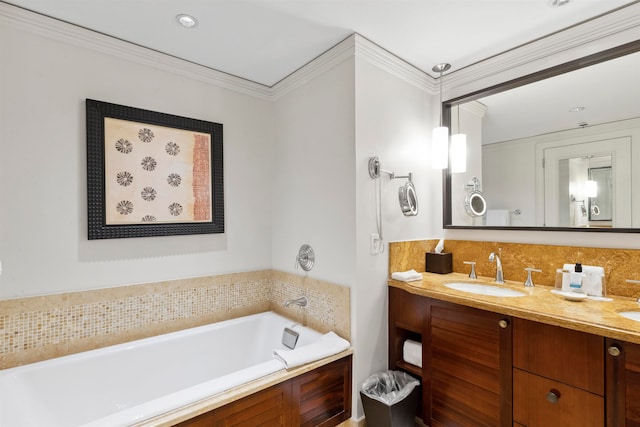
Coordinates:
[351,423]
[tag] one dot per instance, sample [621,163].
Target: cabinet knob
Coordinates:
[503,323]
[553,396]
[614,350]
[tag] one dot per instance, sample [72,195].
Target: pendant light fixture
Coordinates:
[458,152]
[440,139]
[591,188]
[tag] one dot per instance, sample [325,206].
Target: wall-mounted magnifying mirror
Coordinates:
[408,199]
[522,135]
[475,204]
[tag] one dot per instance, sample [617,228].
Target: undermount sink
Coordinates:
[633,315]
[491,290]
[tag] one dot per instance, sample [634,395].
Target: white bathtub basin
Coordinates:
[127,383]
[490,290]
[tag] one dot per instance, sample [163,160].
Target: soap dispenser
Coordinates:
[575,278]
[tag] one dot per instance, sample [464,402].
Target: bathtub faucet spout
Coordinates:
[302,302]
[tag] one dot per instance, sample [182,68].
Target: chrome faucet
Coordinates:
[529,281]
[302,302]
[493,257]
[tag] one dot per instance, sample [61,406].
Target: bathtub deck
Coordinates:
[214,402]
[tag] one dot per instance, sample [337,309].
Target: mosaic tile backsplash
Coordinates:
[39,328]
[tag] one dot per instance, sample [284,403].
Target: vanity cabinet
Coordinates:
[558,376]
[466,372]
[485,369]
[622,362]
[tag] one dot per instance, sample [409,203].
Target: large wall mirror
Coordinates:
[555,150]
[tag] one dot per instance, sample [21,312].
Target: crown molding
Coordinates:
[607,31]
[362,48]
[392,64]
[45,26]
[321,64]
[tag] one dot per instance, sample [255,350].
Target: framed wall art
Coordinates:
[151,173]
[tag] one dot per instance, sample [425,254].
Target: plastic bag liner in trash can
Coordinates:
[390,399]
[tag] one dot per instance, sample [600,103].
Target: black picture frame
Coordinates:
[101,176]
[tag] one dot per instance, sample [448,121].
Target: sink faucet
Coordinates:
[302,302]
[493,257]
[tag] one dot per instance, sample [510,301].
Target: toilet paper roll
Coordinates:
[412,353]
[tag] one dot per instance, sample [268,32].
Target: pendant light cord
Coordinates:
[440,104]
[441,68]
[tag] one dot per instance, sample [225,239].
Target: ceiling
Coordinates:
[266,40]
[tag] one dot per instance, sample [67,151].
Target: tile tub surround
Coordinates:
[619,264]
[40,328]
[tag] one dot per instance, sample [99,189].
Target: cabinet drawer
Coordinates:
[572,357]
[533,405]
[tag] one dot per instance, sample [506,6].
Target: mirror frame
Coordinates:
[618,51]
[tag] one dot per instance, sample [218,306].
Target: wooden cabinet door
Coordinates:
[318,398]
[623,383]
[467,374]
[270,407]
[322,397]
[541,402]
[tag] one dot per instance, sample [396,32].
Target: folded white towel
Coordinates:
[412,352]
[497,217]
[406,276]
[328,345]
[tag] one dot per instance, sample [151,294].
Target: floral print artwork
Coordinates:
[156,174]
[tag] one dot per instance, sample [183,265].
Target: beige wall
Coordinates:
[47,69]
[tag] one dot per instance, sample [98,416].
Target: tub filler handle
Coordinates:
[305,258]
[302,302]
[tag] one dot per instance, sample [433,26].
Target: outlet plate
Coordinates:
[375,244]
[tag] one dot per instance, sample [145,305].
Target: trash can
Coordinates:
[390,399]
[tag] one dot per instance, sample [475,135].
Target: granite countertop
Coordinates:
[540,305]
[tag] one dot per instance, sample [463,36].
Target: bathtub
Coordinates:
[132,382]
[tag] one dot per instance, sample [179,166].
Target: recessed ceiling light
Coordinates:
[577,109]
[558,3]
[186,21]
